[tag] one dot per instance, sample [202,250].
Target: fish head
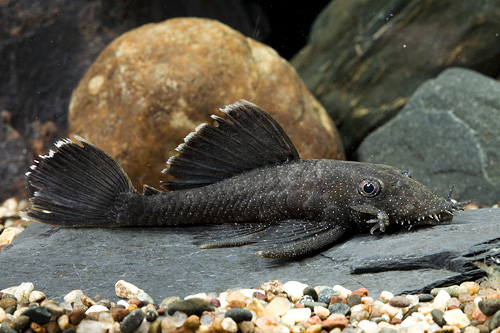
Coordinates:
[384,196]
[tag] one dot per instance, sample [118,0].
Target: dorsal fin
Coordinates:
[250,138]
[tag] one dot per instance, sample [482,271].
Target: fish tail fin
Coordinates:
[78,185]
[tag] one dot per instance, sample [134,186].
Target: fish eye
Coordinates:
[369,187]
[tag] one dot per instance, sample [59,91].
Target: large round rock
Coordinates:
[153,85]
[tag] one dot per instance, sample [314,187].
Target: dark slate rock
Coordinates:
[131,322]
[340,308]
[364,59]
[446,134]
[425,298]
[164,262]
[310,291]
[38,314]
[192,306]
[353,300]
[438,317]
[325,295]
[489,306]
[239,315]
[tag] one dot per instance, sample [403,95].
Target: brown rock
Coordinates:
[7,302]
[338,322]
[119,314]
[192,322]
[76,316]
[153,85]
[237,304]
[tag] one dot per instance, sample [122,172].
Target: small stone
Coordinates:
[63,321]
[489,306]
[229,325]
[386,296]
[7,302]
[278,306]
[54,308]
[495,321]
[337,322]
[38,314]
[36,296]
[399,302]
[239,315]
[190,306]
[359,315]
[192,322]
[424,298]
[96,308]
[257,307]
[294,289]
[340,308]
[483,328]
[73,295]
[246,327]
[76,316]
[179,318]
[471,329]
[8,235]
[353,300]
[321,312]
[456,318]
[126,289]
[23,292]
[87,301]
[21,323]
[237,304]
[388,330]
[337,299]
[169,300]
[368,326]
[325,295]
[151,315]
[440,300]
[313,305]
[341,291]
[131,322]
[298,315]
[119,314]
[438,317]
[145,298]
[310,291]
[3,315]
[469,287]
[6,328]
[453,291]
[267,323]
[272,287]
[363,292]
[91,326]
[104,302]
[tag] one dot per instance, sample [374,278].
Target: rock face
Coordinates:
[448,133]
[164,262]
[153,85]
[366,58]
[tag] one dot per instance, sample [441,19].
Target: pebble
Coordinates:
[229,325]
[190,306]
[438,317]
[489,306]
[425,298]
[325,295]
[38,314]
[7,302]
[341,291]
[440,300]
[239,315]
[278,306]
[294,289]
[8,235]
[335,322]
[23,291]
[353,300]
[131,322]
[368,326]
[340,308]
[456,318]
[21,323]
[399,302]
[124,289]
[76,316]
[96,308]
[453,291]
[192,322]
[310,291]
[3,315]
[298,315]
[495,321]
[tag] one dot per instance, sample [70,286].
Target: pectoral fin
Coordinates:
[231,234]
[294,238]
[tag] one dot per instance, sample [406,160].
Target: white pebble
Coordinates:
[322,312]
[179,318]
[199,295]
[23,292]
[368,326]
[229,325]
[126,289]
[413,300]
[92,326]
[248,293]
[36,296]
[73,295]
[392,311]
[386,296]
[440,300]
[96,308]
[10,290]
[278,306]
[298,315]
[123,302]
[456,318]
[343,292]
[471,329]
[294,289]
[145,298]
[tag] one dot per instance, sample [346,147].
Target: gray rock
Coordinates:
[447,133]
[364,59]
[164,262]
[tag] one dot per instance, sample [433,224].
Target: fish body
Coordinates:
[243,176]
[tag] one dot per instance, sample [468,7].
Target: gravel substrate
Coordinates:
[272,307]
